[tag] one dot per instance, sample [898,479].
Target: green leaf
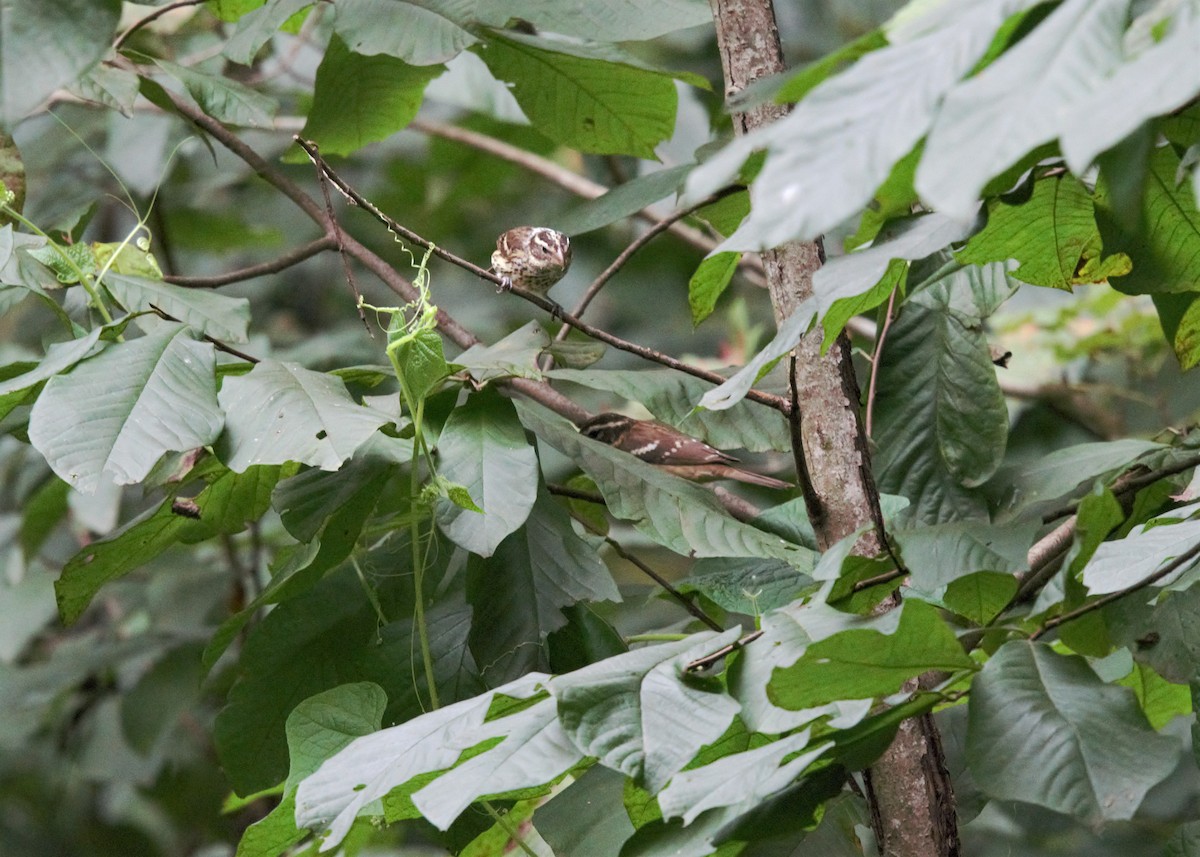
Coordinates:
[222,98]
[1166,250]
[216,315]
[1022,100]
[323,724]
[639,713]
[709,282]
[1155,81]
[1032,711]
[1053,235]
[863,663]
[282,412]
[513,356]
[371,766]
[748,586]
[255,29]
[941,421]
[225,506]
[880,107]
[1179,314]
[422,364]
[791,329]
[674,512]
[799,83]
[361,99]
[47,46]
[420,32]
[671,397]
[520,592]
[893,200]
[116,414]
[980,596]
[628,21]
[1060,473]
[940,554]
[586,818]
[304,646]
[60,356]
[1160,700]
[623,200]
[274,834]
[482,447]
[588,102]
[740,780]
[1123,562]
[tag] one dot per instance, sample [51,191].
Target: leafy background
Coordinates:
[150,703]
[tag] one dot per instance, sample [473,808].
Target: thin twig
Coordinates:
[153,16]
[315,155]
[875,360]
[708,660]
[287,260]
[772,401]
[683,600]
[216,343]
[1131,481]
[570,493]
[574,183]
[638,243]
[886,577]
[1104,600]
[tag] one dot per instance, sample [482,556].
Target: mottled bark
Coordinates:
[912,802]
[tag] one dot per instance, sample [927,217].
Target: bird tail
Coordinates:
[752,478]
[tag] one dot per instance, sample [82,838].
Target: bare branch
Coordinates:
[282,263]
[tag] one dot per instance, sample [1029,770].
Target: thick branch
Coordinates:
[912,802]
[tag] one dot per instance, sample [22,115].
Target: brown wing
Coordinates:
[661,444]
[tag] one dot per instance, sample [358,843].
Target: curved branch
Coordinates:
[287,260]
[1104,600]
[544,303]
[153,16]
[638,243]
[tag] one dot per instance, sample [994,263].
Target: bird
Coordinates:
[671,450]
[532,258]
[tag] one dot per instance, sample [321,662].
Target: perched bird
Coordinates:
[671,449]
[532,258]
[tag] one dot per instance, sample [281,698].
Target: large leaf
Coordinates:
[424,32]
[1121,563]
[588,102]
[627,21]
[117,413]
[1018,102]
[48,45]
[741,780]
[674,512]
[373,765]
[307,645]
[217,315]
[941,420]
[223,98]
[641,713]
[224,506]
[1166,249]
[483,448]
[876,111]
[1160,79]
[1034,711]
[283,412]
[520,592]
[864,663]
[1061,472]
[361,99]
[623,200]
[1053,234]
[940,554]
[255,29]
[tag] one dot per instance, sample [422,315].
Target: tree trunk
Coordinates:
[910,796]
